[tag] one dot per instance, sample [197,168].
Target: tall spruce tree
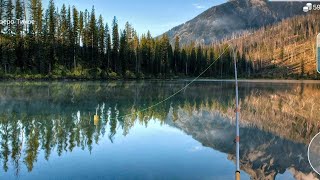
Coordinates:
[2,14]
[115,45]
[93,38]
[101,39]
[75,36]
[18,30]
[70,42]
[19,16]
[51,36]
[39,17]
[123,51]
[9,16]
[176,61]
[63,24]
[108,47]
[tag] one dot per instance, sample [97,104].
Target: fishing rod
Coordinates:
[237,111]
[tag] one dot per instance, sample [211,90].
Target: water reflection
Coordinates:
[277,119]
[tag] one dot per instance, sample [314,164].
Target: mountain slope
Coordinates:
[232,17]
[285,49]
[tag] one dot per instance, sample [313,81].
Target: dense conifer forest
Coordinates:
[63,42]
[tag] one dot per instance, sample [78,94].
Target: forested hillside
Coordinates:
[287,49]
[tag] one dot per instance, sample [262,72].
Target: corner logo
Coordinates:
[308,7]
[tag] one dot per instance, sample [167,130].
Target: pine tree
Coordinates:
[198,60]
[136,51]
[164,55]
[75,36]
[106,63]
[211,60]
[123,51]
[144,53]
[131,50]
[85,29]
[18,35]
[51,20]
[63,38]
[176,61]
[193,60]
[115,45]
[157,57]
[101,39]
[51,36]
[19,16]
[86,39]
[36,16]
[63,24]
[39,17]
[34,36]
[9,16]
[170,59]
[81,26]
[93,37]
[150,52]
[184,58]
[70,42]
[2,14]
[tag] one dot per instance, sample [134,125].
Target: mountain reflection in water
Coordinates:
[278,120]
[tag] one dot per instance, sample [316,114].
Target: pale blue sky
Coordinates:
[157,16]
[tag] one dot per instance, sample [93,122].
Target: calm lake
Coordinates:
[48,130]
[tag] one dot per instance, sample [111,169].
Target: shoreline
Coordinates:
[185,79]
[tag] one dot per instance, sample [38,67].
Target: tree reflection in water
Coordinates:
[277,119]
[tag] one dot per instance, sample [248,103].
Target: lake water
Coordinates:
[49,130]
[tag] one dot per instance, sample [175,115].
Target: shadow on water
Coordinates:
[278,120]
